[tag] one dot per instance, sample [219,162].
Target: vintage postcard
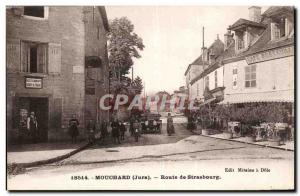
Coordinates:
[194,98]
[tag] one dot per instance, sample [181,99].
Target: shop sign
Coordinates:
[271,54]
[36,83]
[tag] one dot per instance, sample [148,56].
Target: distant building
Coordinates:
[57,66]
[195,80]
[181,96]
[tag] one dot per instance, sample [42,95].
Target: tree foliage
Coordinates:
[124,45]
[138,85]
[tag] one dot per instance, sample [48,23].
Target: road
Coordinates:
[162,158]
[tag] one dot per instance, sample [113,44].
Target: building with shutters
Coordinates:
[259,57]
[256,65]
[57,66]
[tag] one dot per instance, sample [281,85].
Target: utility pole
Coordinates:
[144,89]
[131,74]
[203,37]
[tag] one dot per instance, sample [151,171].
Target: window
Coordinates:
[216,79]
[234,78]
[250,76]
[33,57]
[197,89]
[241,40]
[234,71]
[281,27]
[35,11]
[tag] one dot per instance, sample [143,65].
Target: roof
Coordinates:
[265,43]
[277,10]
[241,23]
[269,96]
[104,17]
[217,47]
[188,68]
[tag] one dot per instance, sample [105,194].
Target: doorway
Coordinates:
[38,105]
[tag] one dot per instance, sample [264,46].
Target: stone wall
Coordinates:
[65,27]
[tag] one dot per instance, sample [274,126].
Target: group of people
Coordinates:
[118,130]
[29,128]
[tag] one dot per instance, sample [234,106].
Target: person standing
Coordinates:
[91,128]
[32,126]
[104,131]
[136,128]
[122,130]
[115,131]
[131,125]
[73,128]
[170,126]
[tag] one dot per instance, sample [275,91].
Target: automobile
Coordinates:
[151,123]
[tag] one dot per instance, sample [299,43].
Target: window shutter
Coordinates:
[13,54]
[24,57]
[54,58]
[273,29]
[42,58]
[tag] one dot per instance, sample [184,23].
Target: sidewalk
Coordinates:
[289,145]
[27,153]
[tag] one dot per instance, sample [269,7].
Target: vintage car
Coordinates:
[151,123]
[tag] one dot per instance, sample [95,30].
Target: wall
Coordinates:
[278,73]
[65,27]
[194,90]
[96,45]
[194,71]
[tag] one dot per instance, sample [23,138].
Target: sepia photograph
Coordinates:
[150,98]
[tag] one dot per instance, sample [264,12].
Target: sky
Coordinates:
[172,36]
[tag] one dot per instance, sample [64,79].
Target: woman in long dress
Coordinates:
[170,126]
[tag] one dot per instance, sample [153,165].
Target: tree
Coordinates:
[124,45]
[138,85]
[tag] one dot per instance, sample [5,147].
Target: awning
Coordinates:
[269,96]
[207,101]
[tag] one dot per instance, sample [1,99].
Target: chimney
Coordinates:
[204,54]
[211,57]
[228,39]
[255,13]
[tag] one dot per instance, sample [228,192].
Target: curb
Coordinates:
[263,145]
[16,168]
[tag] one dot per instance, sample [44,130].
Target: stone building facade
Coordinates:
[48,55]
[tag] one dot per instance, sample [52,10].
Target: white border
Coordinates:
[105,2]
